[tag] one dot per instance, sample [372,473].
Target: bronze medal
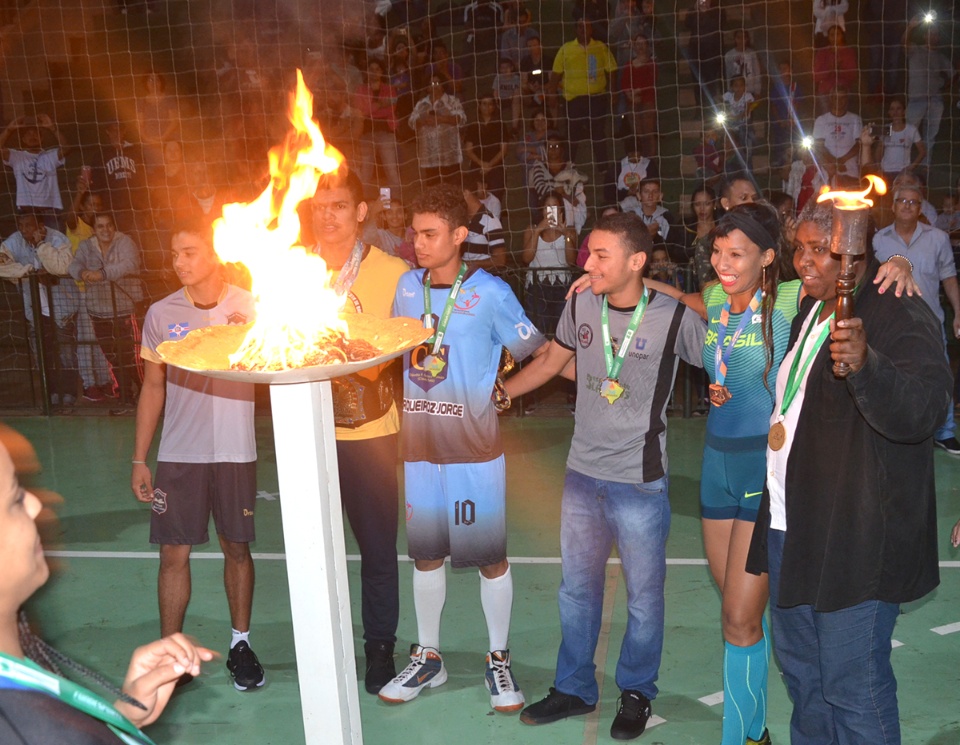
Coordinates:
[719,394]
[777,436]
[611,390]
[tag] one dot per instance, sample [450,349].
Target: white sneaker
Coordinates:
[425,670]
[505,694]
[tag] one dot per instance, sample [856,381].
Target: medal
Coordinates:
[433,364]
[777,436]
[719,394]
[611,390]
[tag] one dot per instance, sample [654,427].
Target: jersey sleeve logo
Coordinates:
[585,335]
[178,330]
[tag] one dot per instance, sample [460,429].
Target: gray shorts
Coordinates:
[185,495]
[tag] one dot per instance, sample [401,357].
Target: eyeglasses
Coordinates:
[908,202]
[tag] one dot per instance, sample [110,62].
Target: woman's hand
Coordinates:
[897,270]
[154,671]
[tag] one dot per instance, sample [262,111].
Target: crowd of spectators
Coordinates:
[497,110]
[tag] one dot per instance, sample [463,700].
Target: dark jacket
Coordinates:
[860,492]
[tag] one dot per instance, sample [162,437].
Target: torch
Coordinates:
[848,240]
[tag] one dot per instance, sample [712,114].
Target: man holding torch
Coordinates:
[847,522]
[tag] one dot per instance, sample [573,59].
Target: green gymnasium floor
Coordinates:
[101,602]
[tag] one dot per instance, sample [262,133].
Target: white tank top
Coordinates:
[550,254]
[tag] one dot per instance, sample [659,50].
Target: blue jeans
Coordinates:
[836,666]
[594,514]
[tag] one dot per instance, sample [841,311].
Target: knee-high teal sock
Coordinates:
[744,690]
[759,723]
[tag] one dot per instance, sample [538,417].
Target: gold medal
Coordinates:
[719,394]
[433,364]
[777,436]
[611,390]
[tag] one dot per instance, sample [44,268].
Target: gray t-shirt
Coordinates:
[626,441]
[206,420]
[928,71]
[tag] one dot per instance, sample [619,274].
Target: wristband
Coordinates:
[901,256]
[139,462]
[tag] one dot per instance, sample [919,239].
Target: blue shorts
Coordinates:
[731,484]
[457,510]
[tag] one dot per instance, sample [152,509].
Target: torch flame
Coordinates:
[296,308]
[854,200]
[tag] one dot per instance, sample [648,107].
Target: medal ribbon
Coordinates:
[21,674]
[723,354]
[793,378]
[615,364]
[447,308]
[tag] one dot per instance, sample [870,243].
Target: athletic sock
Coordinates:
[744,689]
[496,597]
[759,724]
[429,595]
[239,636]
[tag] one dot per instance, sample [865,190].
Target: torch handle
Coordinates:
[846,284]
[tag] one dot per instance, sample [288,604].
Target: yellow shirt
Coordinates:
[372,293]
[584,69]
[80,233]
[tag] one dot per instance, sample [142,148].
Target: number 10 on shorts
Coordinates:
[464,512]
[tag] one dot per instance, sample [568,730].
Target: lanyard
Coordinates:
[614,364]
[793,378]
[723,354]
[447,308]
[24,674]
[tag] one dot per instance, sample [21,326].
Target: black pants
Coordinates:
[120,341]
[370,496]
[60,356]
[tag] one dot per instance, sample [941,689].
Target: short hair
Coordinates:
[818,213]
[343,178]
[446,202]
[650,180]
[629,228]
[198,226]
[733,178]
[908,179]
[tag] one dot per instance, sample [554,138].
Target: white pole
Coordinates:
[316,562]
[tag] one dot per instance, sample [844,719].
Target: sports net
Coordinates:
[166,110]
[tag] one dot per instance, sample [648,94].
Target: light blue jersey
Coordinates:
[448,416]
[747,413]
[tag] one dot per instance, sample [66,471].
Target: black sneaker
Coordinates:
[633,711]
[245,668]
[950,444]
[764,739]
[380,666]
[554,707]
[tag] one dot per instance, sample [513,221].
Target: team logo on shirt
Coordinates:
[640,344]
[409,511]
[585,335]
[159,501]
[236,319]
[467,299]
[428,370]
[178,330]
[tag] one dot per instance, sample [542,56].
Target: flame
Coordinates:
[854,200]
[296,308]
